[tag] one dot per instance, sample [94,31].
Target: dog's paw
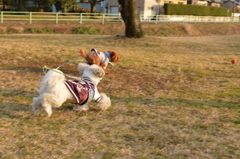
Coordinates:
[80,108]
[36,105]
[82,53]
[105,102]
[36,111]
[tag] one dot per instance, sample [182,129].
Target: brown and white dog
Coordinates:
[100,58]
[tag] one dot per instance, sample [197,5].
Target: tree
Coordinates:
[44,3]
[5,2]
[129,12]
[20,4]
[93,4]
[64,5]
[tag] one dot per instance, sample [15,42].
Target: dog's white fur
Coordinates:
[53,92]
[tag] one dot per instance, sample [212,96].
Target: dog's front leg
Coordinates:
[47,101]
[80,108]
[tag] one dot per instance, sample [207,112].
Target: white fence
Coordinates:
[190,19]
[49,17]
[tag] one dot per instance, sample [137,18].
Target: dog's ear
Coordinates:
[81,67]
[98,71]
[82,53]
[114,56]
[93,59]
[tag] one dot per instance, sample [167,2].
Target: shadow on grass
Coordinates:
[35,69]
[7,109]
[27,69]
[69,106]
[179,102]
[15,99]
[198,103]
[14,110]
[19,93]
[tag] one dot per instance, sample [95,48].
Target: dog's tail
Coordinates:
[51,80]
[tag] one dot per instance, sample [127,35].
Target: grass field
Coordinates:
[172,97]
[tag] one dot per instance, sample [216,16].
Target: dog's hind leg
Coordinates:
[49,101]
[36,105]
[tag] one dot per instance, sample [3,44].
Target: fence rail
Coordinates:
[191,19]
[49,17]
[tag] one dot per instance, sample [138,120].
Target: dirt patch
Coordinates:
[164,29]
[189,29]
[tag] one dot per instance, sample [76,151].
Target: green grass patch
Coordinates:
[87,30]
[37,30]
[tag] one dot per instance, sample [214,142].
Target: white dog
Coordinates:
[56,89]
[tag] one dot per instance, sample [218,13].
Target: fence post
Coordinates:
[141,19]
[56,18]
[80,18]
[122,20]
[2,17]
[30,17]
[103,18]
[156,19]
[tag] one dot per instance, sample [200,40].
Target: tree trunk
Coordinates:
[93,4]
[129,12]
[20,5]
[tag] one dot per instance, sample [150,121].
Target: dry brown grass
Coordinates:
[172,97]
[163,29]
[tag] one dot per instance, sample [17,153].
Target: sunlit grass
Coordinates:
[172,97]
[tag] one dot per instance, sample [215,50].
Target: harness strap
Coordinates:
[90,91]
[83,92]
